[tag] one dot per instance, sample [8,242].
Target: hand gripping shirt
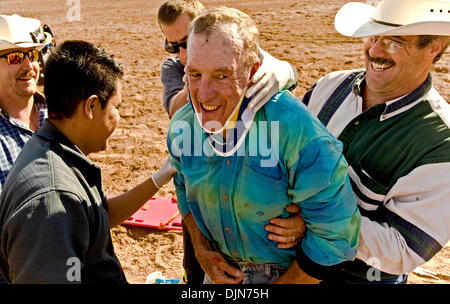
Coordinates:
[399,165]
[288,156]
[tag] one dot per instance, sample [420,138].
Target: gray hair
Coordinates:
[212,19]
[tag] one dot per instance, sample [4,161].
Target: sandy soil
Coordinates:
[298,31]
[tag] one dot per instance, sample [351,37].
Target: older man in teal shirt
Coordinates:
[237,170]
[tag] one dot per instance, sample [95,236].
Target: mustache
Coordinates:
[379,60]
[28,74]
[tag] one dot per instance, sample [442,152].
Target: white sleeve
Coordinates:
[417,210]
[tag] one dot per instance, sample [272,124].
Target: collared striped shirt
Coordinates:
[399,165]
[14,135]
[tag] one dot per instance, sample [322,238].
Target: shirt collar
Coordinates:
[407,101]
[359,84]
[401,104]
[71,155]
[53,134]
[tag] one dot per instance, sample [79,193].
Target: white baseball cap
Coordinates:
[394,18]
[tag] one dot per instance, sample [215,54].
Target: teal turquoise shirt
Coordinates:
[288,156]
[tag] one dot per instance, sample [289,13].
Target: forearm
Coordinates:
[125,205]
[211,261]
[199,241]
[121,207]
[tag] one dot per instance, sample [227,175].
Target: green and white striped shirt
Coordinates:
[399,164]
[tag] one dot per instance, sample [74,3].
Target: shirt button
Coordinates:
[356,122]
[225,197]
[228,162]
[235,253]
[227,228]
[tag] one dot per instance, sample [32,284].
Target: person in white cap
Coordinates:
[22,106]
[395,128]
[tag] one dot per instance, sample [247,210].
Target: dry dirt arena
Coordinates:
[299,31]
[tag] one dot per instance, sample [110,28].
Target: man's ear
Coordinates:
[89,106]
[436,47]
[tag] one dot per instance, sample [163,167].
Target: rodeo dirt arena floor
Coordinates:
[298,31]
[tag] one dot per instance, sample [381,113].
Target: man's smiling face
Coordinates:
[18,80]
[216,73]
[393,71]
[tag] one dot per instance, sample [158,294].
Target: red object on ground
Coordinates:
[158,212]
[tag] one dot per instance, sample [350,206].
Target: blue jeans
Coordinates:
[254,273]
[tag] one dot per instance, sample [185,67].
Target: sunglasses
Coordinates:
[175,48]
[17,57]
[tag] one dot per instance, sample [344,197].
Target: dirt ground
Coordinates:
[299,31]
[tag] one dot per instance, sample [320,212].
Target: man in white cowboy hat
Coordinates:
[22,107]
[395,128]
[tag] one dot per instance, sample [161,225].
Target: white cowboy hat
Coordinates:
[16,33]
[394,18]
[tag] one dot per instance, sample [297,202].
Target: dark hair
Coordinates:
[172,9]
[425,40]
[75,71]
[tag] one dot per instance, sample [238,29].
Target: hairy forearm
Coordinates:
[199,241]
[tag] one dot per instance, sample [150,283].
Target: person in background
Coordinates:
[174,17]
[22,107]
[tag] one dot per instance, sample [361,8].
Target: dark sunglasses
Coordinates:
[17,57]
[175,48]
